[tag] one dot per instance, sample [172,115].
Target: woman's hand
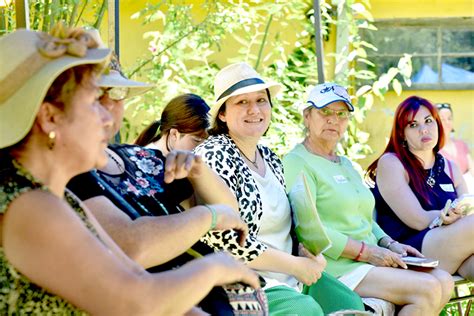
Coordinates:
[227,219]
[404,250]
[452,216]
[227,270]
[182,164]
[382,257]
[307,268]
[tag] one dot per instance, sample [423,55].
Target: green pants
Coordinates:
[323,297]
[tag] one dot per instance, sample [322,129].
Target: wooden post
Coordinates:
[22,14]
[318,41]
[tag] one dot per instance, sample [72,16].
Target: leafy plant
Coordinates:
[45,13]
[182,51]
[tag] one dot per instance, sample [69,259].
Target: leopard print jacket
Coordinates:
[223,156]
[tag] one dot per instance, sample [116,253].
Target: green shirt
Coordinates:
[345,205]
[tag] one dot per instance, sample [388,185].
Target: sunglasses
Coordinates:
[115,93]
[340,114]
[443,106]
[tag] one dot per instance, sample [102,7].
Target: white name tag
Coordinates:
[447,187]
[340,178]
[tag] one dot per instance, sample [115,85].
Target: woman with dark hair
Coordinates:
[182,126]
[413,184]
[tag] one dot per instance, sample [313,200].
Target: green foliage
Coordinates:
[45,13]
[182,51]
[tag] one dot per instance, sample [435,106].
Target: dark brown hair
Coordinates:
[404,114]
[188,113]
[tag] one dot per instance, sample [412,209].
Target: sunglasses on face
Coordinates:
[115,93]
[443,106]
[340,114]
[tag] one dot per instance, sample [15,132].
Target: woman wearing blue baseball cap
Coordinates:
[362,256]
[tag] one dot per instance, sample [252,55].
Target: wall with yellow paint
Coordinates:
[378,122]
[395,9]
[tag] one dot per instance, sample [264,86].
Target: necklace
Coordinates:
[335,159]
[254,162]
[119,165]
[434,171]
[431,180]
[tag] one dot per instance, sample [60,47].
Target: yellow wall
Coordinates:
[379,121]
[391,9]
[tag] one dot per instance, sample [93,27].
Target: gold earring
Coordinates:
[51,140]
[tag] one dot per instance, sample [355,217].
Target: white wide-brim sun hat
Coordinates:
[26,74]
[236,79]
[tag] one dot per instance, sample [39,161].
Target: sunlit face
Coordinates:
[421,133]
[189,141]
[116,109]
[247,115]
[446,117]
[83,132]
[329,123]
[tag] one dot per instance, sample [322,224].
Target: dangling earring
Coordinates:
[51,140]
[405,143]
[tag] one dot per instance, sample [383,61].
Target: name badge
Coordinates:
[447,187]
[340,178]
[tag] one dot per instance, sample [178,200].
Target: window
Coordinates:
[442,50]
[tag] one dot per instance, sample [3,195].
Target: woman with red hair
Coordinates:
[413,184]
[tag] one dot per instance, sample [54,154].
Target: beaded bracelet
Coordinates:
[360,252]
[214,216]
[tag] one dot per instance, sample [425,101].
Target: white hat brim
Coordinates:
[115,79]
[273,87]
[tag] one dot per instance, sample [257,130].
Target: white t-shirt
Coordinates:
[276,224]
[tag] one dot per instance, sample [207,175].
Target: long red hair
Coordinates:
[404,114]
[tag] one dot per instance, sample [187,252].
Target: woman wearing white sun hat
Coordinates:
[52,250]
[240,116]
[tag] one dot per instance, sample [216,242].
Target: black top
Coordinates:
[442,190]
[140,190]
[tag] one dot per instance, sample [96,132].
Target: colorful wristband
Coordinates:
[360,252]
[214,216]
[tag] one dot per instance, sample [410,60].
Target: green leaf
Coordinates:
[397,86]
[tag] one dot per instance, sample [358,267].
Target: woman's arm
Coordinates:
[305,269]
[46,241]
[392,181]
[208,186]
[154,240]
